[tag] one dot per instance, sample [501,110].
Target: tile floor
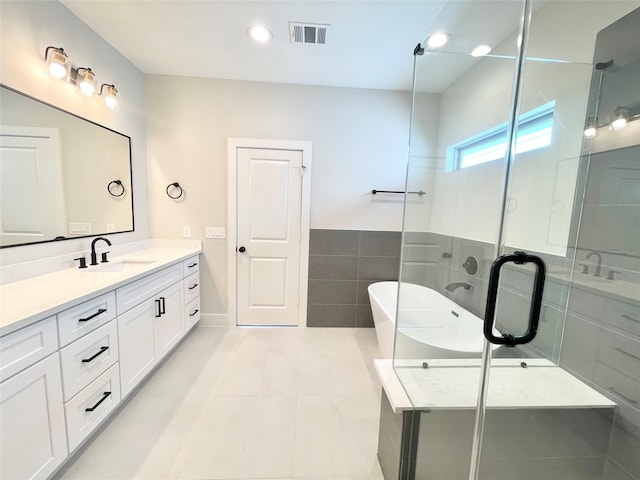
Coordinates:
[249,403]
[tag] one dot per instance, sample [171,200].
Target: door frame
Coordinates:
[233,144]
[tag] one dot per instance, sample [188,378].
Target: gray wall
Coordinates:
[342,264]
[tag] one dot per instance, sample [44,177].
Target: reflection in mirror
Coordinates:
[56,173]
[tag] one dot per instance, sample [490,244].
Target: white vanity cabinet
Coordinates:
[62,376]
[32,430]
[150,329]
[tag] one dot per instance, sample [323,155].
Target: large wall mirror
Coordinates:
[61,176]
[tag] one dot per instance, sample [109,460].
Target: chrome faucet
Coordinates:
[598,271]
[94,257]
[454,286]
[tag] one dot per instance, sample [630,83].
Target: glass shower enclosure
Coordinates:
[518,319]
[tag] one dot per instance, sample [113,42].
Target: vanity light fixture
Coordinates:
[110,96]
[619,118]
[259,33]
[58,65]
[57,62]
[591,127]
[481,51]
[437,40]
[86,81]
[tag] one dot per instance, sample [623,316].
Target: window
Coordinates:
[535,129]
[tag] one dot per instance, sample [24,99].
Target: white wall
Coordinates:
[360,142]
[26,29]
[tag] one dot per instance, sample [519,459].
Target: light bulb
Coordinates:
[481,51]
[620,118]
[437,40]
[86,82]
[57,62]
[111,98]
[590,132]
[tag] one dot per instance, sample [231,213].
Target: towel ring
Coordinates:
[177,186]
[110,188]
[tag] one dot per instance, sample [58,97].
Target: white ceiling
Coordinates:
[371,43]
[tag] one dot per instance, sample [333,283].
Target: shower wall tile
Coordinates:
[378,268]
[612,471]
[342,264]
[334,242]
[333,267]
[332,292]
[331,315]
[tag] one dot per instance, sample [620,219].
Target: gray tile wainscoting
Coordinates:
[342,264]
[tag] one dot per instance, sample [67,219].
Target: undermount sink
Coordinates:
[120,266]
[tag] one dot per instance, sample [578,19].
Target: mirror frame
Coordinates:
[75,237]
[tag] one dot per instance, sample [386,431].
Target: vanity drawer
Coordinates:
[77,321]
[587,304]
[191,265]
[87,358]
[86,410]
[191,287]
[26,346]
[136,292]
[192,313]
[615,383]
[624,316]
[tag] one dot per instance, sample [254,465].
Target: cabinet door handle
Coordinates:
[162,306]
[95,355]
[105,395]
[194,312]
[192,265]
[99,312]
[158,310]
[193,286]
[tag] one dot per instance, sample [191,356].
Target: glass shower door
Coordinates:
[499,145]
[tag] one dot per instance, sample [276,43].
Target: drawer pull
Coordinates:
[105,395]
[94,356]
[192,265]
[194,312]
[618,349]
[99,312]
[158,309]
[624,397]
[629,317]
[193,286]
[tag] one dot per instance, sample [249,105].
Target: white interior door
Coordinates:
[269,199]
[31,190]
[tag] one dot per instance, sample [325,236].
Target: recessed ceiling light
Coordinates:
[437,40]
[481,51]
[259,33]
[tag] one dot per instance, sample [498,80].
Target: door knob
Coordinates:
[242,249]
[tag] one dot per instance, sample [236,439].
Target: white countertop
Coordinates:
[27,301]
[454,384]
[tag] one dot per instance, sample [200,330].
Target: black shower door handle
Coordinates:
[519,258]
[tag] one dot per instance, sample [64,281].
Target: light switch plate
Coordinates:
[214,232]
[76,228]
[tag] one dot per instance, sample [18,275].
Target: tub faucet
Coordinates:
[94,257]
[598,271]
[454,286]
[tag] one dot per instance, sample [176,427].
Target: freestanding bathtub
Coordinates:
[430,326]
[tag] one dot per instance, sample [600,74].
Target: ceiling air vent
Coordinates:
[309,33]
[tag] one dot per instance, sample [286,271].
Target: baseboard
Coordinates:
[215,320]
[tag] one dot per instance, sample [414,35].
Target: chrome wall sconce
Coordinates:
[58,65]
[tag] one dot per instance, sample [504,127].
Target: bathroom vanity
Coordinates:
[75,343]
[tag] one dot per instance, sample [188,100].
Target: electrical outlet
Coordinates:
[111,228]
[186,232]
[214,232]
